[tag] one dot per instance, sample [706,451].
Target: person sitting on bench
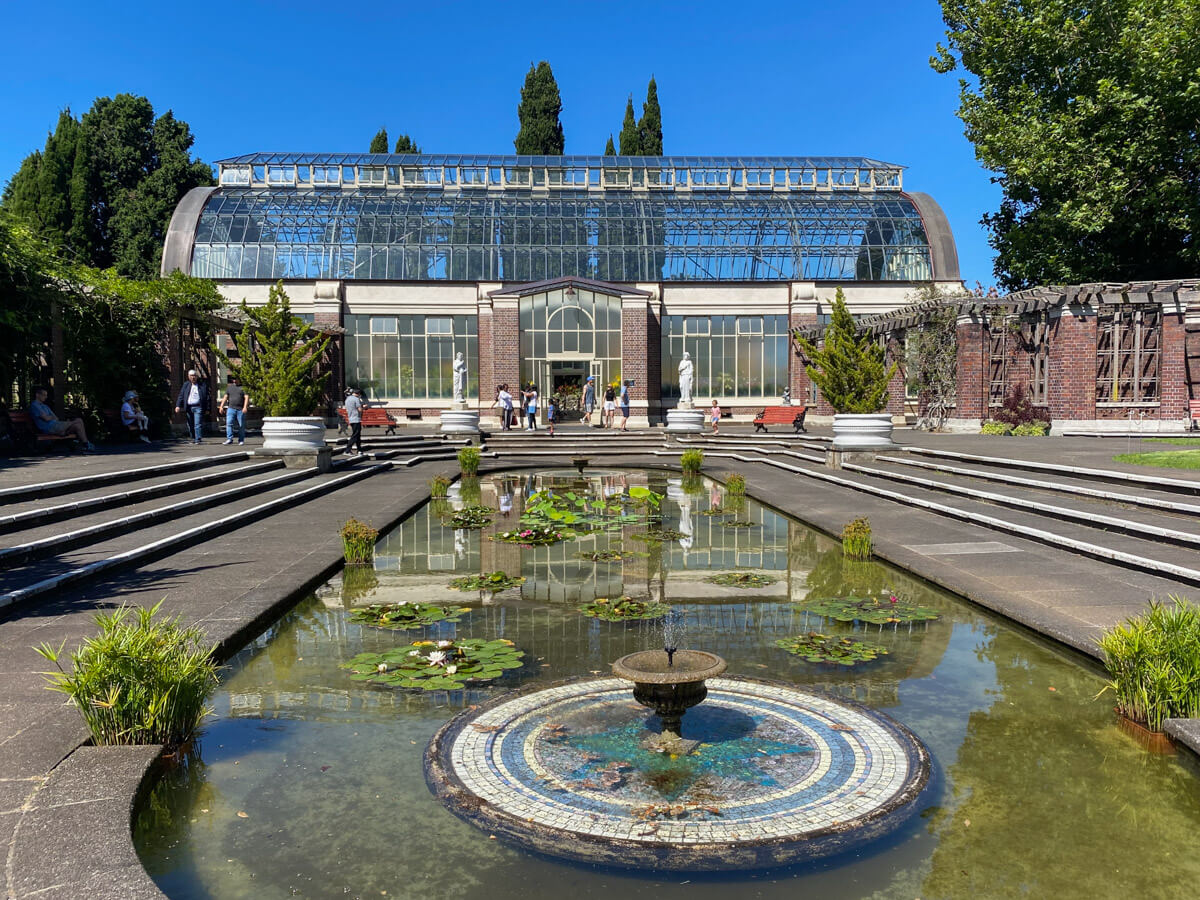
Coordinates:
[47,422]
[133,418]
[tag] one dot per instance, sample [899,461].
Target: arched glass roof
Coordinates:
[416,235]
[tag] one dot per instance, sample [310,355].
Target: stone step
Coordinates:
[71,485]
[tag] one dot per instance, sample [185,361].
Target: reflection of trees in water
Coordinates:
[1060,803]
[165,814]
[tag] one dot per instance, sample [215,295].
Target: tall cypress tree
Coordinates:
[405,144]
[379,143]
[650,125]
[541,131]
[609,149]
[631,141]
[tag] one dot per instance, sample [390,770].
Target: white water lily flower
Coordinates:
[437,657]
[414,652]
[444,644]
[381,668]
[450,670]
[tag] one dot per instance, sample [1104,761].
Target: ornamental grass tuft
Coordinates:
[468,460]
[735,483]
[1154,663]
[439,487]
[358,542]
[856,539]
[139,681]
[691,460]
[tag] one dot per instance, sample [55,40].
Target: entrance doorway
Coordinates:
[566,385]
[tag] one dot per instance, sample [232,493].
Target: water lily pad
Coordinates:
[437,665]
[741,579]
[659,535]
[470,517]
[880,609]
[405,616]
[624,609]
[491,581]
[534,535]
[738,523]
[822,648]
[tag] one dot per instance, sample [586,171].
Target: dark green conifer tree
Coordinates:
[379,143]
[541,131]
[650,125]
[631,141]
[405,144]
[609,149]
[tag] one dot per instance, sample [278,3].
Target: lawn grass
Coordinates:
[1167,459]
[1178,441]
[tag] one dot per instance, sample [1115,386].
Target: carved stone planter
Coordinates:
[293,433]
[862,431]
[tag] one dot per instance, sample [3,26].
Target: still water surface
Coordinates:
[306,784]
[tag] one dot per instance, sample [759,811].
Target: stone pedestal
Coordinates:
[320,458]
[460,420]
[685,419]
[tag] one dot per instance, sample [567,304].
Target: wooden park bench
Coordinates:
[1194,411]
[27,433]
[372,417]
[412,413]
[781,415]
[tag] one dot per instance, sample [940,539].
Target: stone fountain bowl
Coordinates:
[650,667]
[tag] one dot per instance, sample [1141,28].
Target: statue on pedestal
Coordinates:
[685,380]
[460,378]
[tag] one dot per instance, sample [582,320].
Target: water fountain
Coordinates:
[580,463]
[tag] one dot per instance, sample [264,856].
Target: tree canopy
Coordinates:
[650,135]
[630,138]
[850,368]
[405,144]
[609,148]
[379,143]
[1088,113]
[541,131]
[104,187]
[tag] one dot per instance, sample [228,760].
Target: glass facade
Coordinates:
[514,235]
[410,357]
[733,356]
[584,325]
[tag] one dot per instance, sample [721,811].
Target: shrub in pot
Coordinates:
[852,373]
[278,354]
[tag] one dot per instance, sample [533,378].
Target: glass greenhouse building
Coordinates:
[551,268]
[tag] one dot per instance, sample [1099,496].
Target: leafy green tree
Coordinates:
[1088,114]
[278,357]
[609,149]
[649,126]
[379,143]
[630,138]
[849,368]
[541,131]
[104,187]
[405,144]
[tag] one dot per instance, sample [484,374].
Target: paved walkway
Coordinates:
[64,812]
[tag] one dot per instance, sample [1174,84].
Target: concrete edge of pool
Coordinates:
[79,837]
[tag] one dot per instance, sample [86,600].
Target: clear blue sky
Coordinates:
[798,78]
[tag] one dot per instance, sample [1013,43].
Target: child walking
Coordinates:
[715,416]
[551,413]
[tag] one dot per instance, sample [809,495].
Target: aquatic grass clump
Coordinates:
[624,609]
[140,681]
[691,460]
[821,648]
[437,665]
[406,616]
[1154,663]
[735,483]
[358,542]
[856,539]
[468,460]
[439,486]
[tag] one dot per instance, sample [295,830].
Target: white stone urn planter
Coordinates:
[862,431]
[293,433]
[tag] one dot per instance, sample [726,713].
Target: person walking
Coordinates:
[234,404]
[133,418]
[714,415]
[354,408]
[625,404]
[610,406]
[551,413]
[192,400]
[589,399]
[47,422]
[531,406]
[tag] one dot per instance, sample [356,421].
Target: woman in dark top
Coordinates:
[610,406]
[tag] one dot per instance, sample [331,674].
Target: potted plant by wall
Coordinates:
[852,372]
[278,354]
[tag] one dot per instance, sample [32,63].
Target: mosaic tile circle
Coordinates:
[779,775]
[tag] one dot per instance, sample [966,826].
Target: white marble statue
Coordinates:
[685,379]
[460,377]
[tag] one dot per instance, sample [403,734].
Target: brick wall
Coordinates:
[505,347]
[797,375]
[895,354]
[653,383]
[1173,387]
[1072,365]
[970,388]
[635,336]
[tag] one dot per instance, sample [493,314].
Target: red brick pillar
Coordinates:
[499,351]
[1173,386]
[635,339]
[896,391]
[971,341]
[327,311]
[802,313]
[1071,363]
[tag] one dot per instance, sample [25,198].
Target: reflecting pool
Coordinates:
[308,784]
